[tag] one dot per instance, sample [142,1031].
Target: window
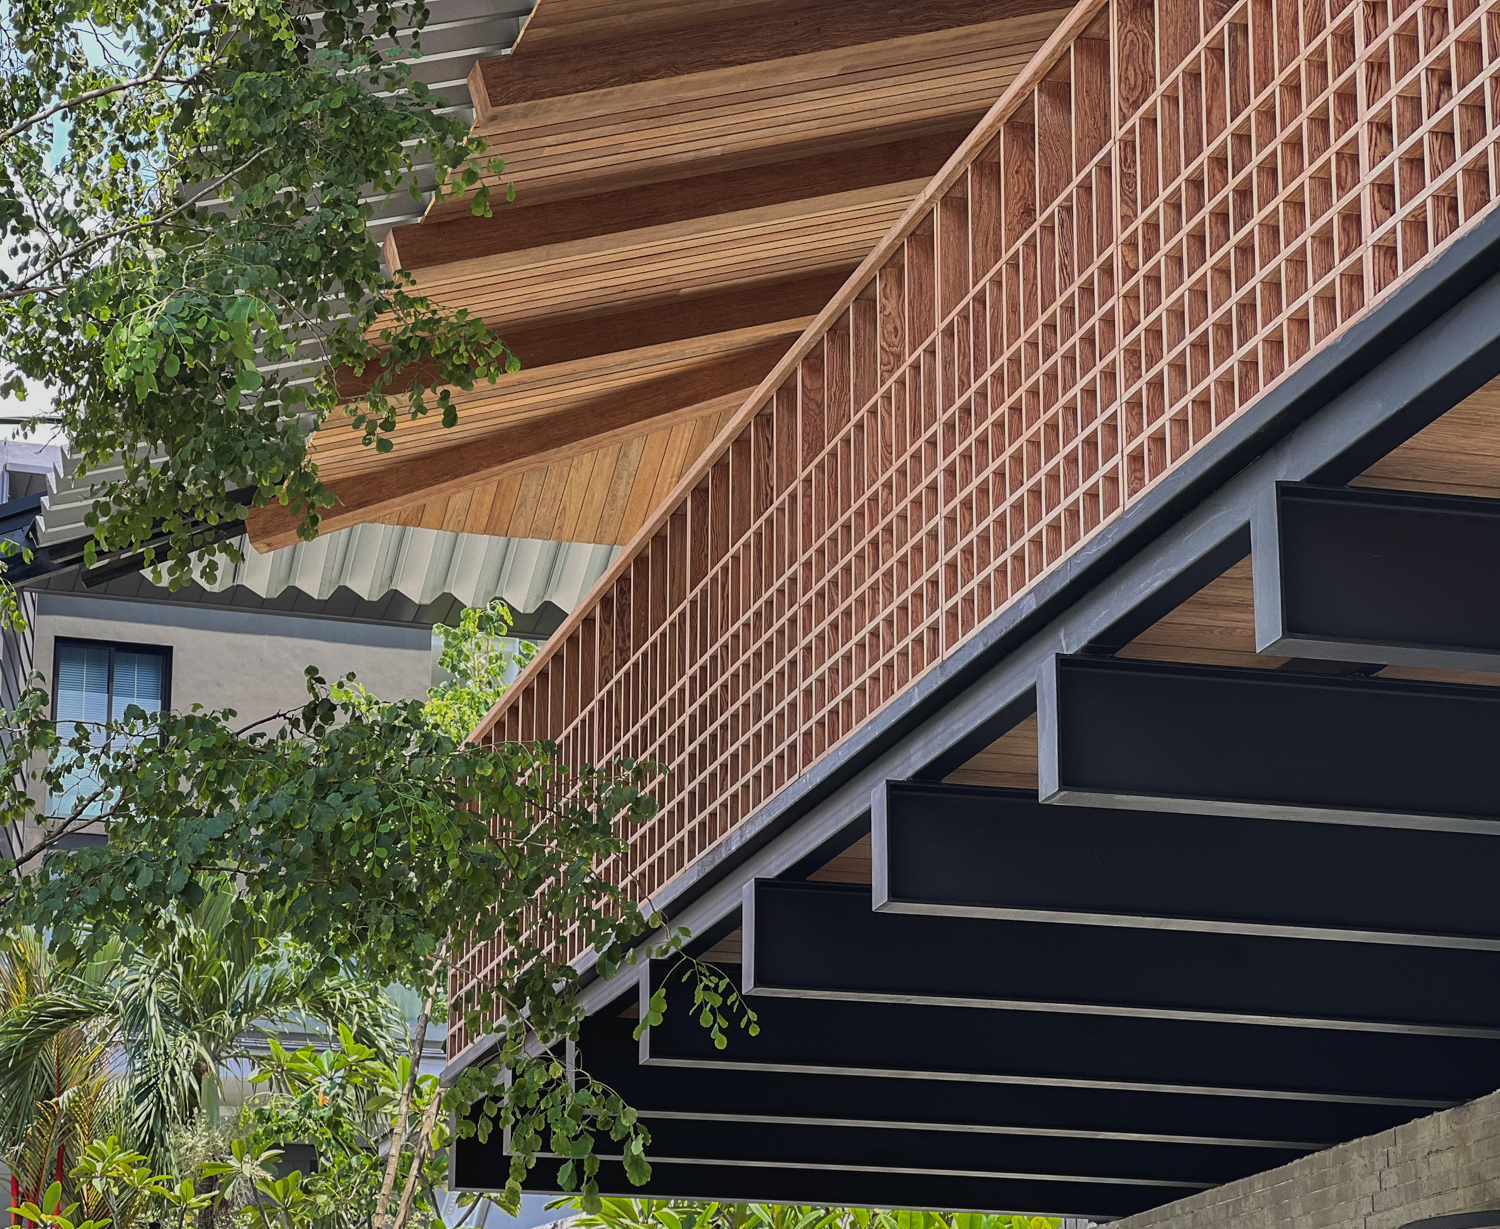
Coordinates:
[96,683]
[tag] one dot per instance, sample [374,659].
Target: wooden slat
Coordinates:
[680,327]
[447,236]
[854,865]
[610,495]
[1008,762]
[803,105]
[369,493]
[725,39]
[702,255]
[561,392]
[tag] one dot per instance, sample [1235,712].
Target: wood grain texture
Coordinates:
[774,308]
[668,224]
[854,865]
[1007,763]
[448,237]
[708,39]
[608,489]
[628,135]
[741,249]
[368,494]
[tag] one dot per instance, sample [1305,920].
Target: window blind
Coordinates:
[97,683]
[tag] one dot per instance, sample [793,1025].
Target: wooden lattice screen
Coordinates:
[1170,208]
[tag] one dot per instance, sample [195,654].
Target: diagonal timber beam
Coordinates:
[536,70]
[1269,744]
[1030,1048]
[1377,576]
[780,308]
[448,236]
[583,428]
[823,941]
[968,851]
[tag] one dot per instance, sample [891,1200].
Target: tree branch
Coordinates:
[27,287]
[403,1109]
[153,76]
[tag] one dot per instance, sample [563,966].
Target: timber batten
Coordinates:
[657,193]
[1088,292]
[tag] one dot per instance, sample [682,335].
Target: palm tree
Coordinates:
[182,1010]
[58,1096]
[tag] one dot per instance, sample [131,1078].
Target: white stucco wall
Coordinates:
[245,660]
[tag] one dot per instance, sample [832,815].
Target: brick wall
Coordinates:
[1445,1163]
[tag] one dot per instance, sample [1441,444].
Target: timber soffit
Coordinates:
[1268,201]
[680,220]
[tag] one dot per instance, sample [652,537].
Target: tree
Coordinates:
[375,838]
[704,1214]
[478,661]
[58,1096]
[180,1010]
[184,190]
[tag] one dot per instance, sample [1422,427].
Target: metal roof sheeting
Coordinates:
[424,565]
[393,573]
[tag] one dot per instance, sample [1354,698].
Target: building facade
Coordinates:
[1060,590]
[1053,456]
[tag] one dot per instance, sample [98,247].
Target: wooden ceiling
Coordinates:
[695,179]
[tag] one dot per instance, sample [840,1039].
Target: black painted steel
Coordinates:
[815,940]
[479,1167]
[973,852]
[831,1145]
[1214,740]
[1377,576]
[1038,1047]
[608,1053]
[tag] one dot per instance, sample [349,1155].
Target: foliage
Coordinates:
[117,1189]
[695,1214]
[714,995]
[59,1095]
[362,831]
[342,1102]
[478,661]
[182,1008]
[184,192]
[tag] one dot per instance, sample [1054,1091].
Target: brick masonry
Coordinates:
[1445,1163]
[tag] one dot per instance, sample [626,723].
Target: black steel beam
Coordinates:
[967,851]
[1270,744]
[485,1168]
[827,1145]
[608,1052]
[823,941]
[1070,1049]
[1377,576]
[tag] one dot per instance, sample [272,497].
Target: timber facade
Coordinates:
[1056,454]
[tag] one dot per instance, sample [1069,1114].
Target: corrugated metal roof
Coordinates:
[388,572]
[425,564]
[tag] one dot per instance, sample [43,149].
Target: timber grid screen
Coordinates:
[1171,207]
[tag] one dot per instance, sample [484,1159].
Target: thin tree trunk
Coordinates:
[398,1128]
[419,1158]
